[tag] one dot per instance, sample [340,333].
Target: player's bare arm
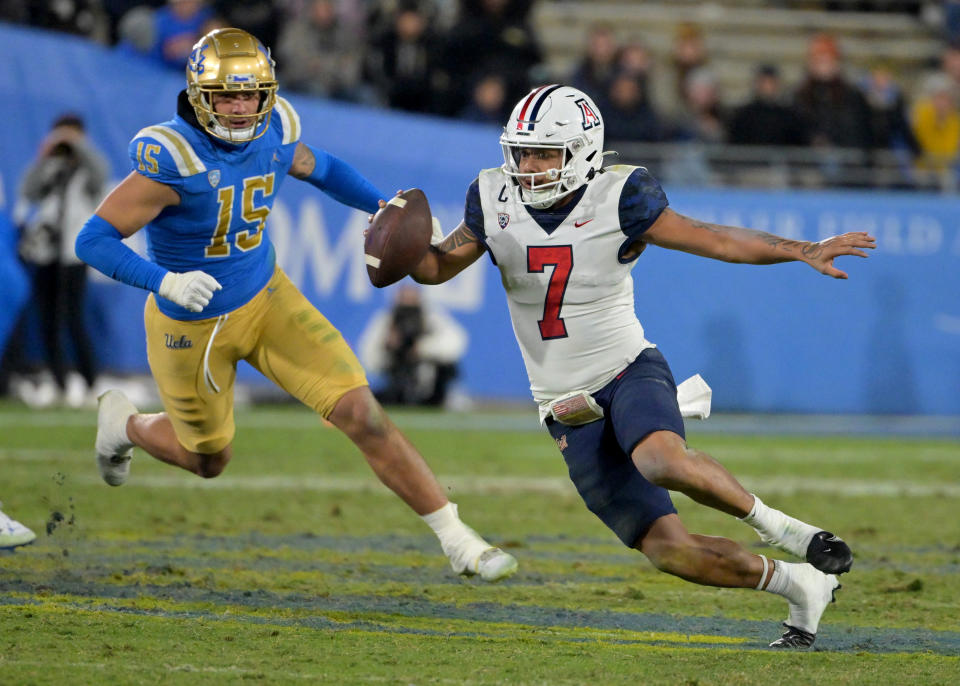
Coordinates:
[449,257]
[304,162]
[135,202]
[738,244]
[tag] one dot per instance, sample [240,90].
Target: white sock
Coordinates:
[779,529]
[781,581]
[459,542]
[808,592]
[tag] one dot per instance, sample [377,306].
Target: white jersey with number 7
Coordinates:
[569,291]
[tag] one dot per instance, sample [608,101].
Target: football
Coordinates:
[398,237]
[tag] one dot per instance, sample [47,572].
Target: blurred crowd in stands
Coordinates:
[472,59]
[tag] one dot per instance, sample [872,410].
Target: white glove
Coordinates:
[437,236]
[190,290]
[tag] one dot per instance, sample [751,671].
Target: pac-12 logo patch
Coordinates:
[587,114]
[213,176]
[503,219]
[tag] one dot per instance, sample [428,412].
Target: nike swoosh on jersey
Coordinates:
[579,224]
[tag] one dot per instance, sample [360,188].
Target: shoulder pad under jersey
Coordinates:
[288,120]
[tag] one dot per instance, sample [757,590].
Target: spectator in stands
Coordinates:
[950,64]
[401,61]
[890,127]
[81,17]
[766,119]
[15,11]
[491,36]
[689,52]
[262,18]
[629,116]
[63,184]
[634,59]
[416,346]
[835,111]
[703,117]
[936,124]
[488,105]
[598,67]
[317,53]
[951,20]
[115,10]
[517,11]
[166,35]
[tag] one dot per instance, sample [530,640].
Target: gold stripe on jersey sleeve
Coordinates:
[290,120]
[187,161]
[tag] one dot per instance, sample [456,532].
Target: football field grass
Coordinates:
[297,566]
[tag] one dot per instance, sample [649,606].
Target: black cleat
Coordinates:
[829,554]
[794,639]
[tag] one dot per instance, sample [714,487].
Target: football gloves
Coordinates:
[190,290]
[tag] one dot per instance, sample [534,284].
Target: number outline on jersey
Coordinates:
[250,213]
[560,257]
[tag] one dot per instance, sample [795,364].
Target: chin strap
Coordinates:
[234,135]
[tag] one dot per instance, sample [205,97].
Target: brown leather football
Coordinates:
[398,237]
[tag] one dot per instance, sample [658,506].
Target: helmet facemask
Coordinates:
[231,61]
[216,123]
[555,183]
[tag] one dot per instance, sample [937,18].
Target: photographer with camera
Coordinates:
[416,347]
[62,187]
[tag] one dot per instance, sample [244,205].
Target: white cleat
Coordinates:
[496,564]
[814,591]
[491,565]
[473,556]
[114,448]
[14,534]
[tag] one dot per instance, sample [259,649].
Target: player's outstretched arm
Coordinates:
[334,177]
[737,244]
[448,257]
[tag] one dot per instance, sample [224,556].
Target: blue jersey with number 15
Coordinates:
[226,192]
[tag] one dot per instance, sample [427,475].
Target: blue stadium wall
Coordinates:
[772,338]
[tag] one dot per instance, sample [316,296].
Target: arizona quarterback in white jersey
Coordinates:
[568,285]
[565,233]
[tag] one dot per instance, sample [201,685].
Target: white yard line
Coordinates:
[481,485]
[461,483]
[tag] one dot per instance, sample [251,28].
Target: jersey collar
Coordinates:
[552,217]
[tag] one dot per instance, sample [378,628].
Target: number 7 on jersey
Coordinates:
[560,257]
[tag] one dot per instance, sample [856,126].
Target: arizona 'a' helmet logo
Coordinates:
[588,115]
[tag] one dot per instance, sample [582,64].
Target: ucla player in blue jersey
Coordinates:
[203,184]
[565,233]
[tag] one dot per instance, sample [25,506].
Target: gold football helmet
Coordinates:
[226,61]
